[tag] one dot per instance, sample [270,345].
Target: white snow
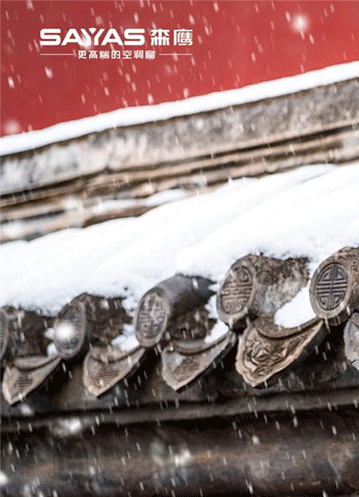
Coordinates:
[26,410]
[296,312]
[67,427]
[219,329]
[312,211]
[127,341]
[149,113]
[65,331]
[152,201]
[49,333]
[4,480]
[51,350]
[164,197]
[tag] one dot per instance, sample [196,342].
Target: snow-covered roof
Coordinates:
[150,113]
[311,211]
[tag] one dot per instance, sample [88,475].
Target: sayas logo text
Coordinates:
[92,37]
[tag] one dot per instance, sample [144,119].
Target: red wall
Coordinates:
[235,43]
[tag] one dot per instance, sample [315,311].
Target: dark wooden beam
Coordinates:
[313,453]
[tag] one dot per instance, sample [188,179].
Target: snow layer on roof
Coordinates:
[204,103]
[219,329]
[311,211]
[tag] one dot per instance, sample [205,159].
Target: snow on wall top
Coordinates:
[139,115]
[311,211]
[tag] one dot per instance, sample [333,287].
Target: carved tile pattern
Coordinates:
[259,358]
[331,286]
[152,315]
[236,290]
[104,373]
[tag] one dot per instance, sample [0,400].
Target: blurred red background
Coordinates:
[235,43]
